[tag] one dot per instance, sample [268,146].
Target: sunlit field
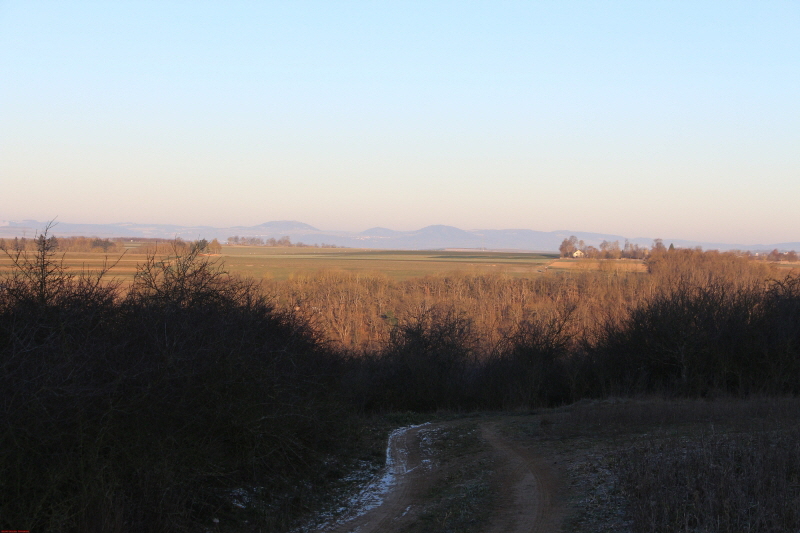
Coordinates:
[122,267]
[260,262]
[283,263]
[279,263]
[621,265]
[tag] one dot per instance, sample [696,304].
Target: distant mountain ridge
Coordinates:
[287,225]
[427,238]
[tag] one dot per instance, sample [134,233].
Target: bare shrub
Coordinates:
[529,368]
[145,412]
[426,363]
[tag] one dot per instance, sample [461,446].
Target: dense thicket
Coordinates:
[696,323]
[704,339]
[359,312]
[157,410]
[192,395]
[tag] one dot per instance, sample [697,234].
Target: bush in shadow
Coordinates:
[530,367]
[189,398]
[434,361]
[695,340]
[425,366]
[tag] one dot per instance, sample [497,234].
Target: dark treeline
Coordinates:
[164,406]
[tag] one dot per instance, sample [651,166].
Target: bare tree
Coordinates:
[568,246]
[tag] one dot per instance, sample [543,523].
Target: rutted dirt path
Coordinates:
[529,501]
[525,486]
[384,504]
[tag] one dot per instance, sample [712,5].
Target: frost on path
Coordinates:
[526,485]
[396,465]
[375,492]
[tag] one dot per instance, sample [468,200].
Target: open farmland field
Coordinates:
[621,265]
[282,263]
[124,267]
[279,263]
[791,265]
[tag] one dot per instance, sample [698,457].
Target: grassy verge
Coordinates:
[726,482]
[655,465]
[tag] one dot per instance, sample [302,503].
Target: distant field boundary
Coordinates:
[280,263]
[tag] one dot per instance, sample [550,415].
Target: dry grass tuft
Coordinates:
[723,483]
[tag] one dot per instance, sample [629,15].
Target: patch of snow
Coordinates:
[374,493]
[427,438]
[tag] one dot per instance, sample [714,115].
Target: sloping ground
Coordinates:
[613,466]
[528,487]
[461,475]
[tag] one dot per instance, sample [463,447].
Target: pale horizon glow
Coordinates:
[677,120]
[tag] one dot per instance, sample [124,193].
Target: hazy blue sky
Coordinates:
[660,119]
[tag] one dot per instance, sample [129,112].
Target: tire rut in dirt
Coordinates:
[527,487]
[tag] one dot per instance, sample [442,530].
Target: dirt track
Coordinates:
[528,491]
[525,485]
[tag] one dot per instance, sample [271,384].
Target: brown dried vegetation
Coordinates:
[170,404]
